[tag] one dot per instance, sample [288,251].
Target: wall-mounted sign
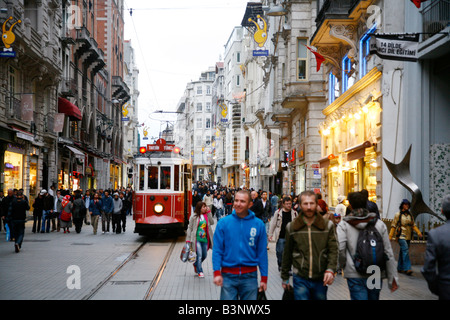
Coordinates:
[125,112]
[145,133]
[260,36]
[8,38]
[403,47]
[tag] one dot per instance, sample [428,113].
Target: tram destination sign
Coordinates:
[156,147]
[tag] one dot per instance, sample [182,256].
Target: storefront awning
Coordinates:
[325,162]
[358,151]
[78,153]
[68,108]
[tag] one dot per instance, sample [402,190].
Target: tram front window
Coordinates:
[165,178]
[152,177]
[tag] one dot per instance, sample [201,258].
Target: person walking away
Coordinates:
[404,223]
[79,212]
[240,243]
[116,218]
[57,208]
[66,214]
[95,210]
[277,229]
[47,212]
[108,208]
[126,207]
[128,202]
[370,205]
[340,207]
[218,204]
[273,203]
[200,235]
[323,207]
[38,208]
[19,207]
[311,248]
[228,203]
[348,232]
[438,252]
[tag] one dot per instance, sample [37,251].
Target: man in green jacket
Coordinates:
[311,248]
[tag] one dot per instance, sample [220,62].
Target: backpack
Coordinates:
[369,250]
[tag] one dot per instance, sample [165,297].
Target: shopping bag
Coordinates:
[192,256]
[185,252]
[8,232]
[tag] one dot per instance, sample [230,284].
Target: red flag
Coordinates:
[319,57]
[417,3]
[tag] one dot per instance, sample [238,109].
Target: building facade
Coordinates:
[30,72]
[62,65]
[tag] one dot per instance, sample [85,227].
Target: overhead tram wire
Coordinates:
[142,55]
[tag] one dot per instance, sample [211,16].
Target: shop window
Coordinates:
[13,171]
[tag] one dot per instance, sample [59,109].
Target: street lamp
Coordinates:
[277,10]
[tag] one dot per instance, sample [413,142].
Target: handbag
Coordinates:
[66,216]
[87,218]
[185,252]
[288,294]
[398,228]
[261,295]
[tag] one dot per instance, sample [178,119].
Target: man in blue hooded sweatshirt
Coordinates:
[240,247]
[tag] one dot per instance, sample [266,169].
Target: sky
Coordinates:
[173,42]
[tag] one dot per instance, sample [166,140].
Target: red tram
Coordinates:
[163,190]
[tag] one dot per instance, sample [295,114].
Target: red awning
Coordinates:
[68,108]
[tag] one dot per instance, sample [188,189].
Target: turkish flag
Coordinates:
[417,3]
[319,57]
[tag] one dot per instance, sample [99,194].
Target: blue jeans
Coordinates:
[219,214]
[46,217]
[202,250]
[279,250]
[228,209]
[305,289]
[239,286]
[359,291]
[404,264]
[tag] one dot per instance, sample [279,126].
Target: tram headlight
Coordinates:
[158,208]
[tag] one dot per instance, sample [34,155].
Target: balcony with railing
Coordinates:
[435,17]
[436,28]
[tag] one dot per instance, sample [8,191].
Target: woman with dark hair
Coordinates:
[401,229]
[200,234]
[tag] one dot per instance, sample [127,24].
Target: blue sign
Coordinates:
[7,54]
[260,53]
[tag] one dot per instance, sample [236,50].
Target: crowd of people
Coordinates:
[313,244]
[62,210]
